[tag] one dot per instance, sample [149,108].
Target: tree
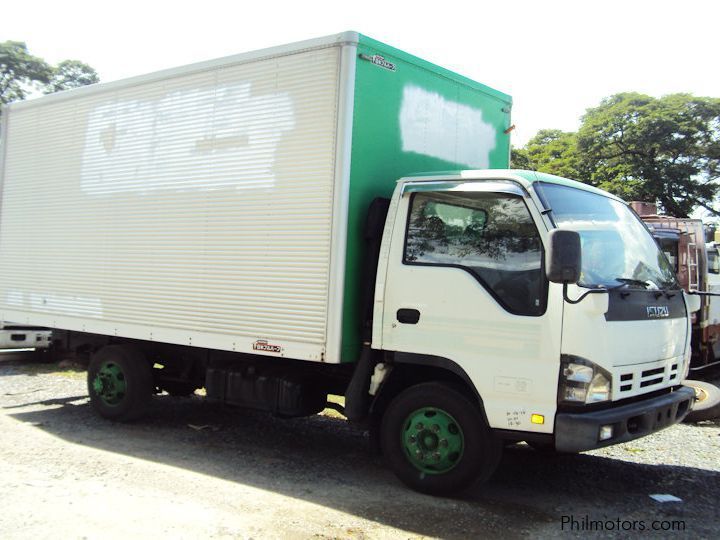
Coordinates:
[556,152]
[20,72]
[664,150]
[519,159]
[70,74]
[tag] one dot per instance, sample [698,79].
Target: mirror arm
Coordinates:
[591,291]
[703,293]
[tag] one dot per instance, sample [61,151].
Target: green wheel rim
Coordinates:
[109,383]
[433,440]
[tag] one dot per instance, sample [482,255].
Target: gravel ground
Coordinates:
[193,469]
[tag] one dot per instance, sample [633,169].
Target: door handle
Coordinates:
[408,316]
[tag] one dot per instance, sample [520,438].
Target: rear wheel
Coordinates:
[120,382]
[437,441]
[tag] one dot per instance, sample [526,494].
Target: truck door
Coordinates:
[465,282]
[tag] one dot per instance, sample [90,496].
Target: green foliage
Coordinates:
[655,149]
[519,159]
[71,74]
[21,73]
[556,152]
[664,150]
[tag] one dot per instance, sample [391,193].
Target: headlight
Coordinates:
[582,381]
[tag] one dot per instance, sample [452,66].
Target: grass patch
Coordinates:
[73,371]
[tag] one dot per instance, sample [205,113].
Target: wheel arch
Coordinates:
[409,369]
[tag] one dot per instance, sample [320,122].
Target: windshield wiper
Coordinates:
[633,281]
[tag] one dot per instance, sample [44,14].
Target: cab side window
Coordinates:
[490,235]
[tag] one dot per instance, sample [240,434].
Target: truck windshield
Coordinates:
[617,249]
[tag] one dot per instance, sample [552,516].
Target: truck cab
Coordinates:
[464,285]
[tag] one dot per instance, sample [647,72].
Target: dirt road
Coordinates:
[195,470]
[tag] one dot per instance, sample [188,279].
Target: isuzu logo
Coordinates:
[657,312]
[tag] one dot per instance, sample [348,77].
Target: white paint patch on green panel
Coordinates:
[437,127]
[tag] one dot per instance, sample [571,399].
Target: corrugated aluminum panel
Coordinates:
[192,209]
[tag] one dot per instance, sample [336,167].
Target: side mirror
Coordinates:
[565,259]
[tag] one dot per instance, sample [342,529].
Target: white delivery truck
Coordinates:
[260,226]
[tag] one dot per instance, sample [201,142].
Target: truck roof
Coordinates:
[412,59]
[524,178]
[348,37]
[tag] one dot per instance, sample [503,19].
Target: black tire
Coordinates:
[481,449]
[131,368]
[707,401]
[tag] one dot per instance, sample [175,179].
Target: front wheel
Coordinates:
[120,382]
[437,441]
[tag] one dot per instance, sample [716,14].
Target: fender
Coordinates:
[437,362]
[438,365]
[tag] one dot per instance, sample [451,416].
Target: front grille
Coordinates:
[647,378]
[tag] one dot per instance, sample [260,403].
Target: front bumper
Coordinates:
[575,432]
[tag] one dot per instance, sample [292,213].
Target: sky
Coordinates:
[556,58]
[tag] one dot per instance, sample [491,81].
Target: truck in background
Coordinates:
[697,266]
[14,337]
[260,226]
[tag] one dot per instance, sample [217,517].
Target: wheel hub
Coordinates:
[432,440]
[109,383]
[700,394]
